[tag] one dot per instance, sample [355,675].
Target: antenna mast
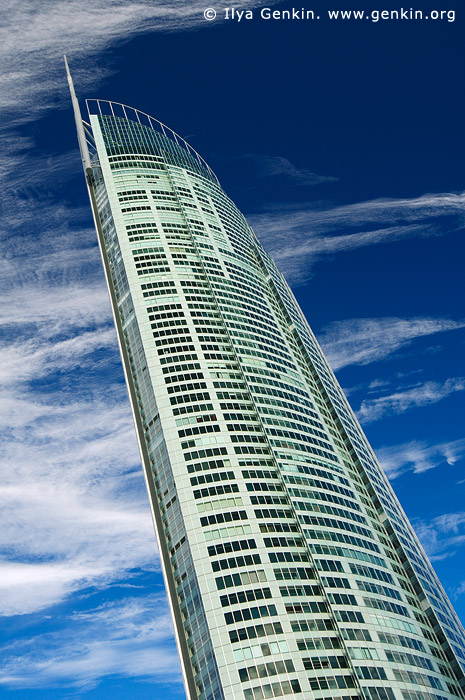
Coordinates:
[79,125]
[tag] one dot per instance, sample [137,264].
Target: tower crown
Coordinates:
[109,108]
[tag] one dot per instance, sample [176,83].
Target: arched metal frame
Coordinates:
[117,109]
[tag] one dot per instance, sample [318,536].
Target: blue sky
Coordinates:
[343,144]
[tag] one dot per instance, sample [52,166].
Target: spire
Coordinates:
[79,125]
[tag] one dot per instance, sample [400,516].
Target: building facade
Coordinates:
[290,567]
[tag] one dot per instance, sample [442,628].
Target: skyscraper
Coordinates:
[290,567]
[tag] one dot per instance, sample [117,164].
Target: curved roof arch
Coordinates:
[118,109]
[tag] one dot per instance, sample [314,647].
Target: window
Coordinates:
[240,579]
[216,490]
[332,682]
[231,531]
[319,643]
[227,547]
[219,504]
[223,518]
[371,672]
[312,625]
[380,694]
[258,650]
[272,668]
[216,476]
[328,565]
[245,596]
[361,635]
[271,690]
[254,613]
[363,653]
[335,582]
[288,574]
[256,631]
[324,662]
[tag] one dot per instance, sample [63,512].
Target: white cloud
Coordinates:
[404,400]
[273,166]
[259,167]
[443,536]
[418,456]
[29,359]
[360,341]
[130,637]
[55,306]
[35,35]
[298,235]
[74,508]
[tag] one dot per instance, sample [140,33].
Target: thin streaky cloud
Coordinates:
[28,360]
[361,341]
[35,35]
[16,157]
[460,590]
[130,637]
[405,400]
[74,508]
[54,307]
[75,514]
[443,536]
[419,456]
[258,167]
[324,215]
[297,236]
[374,386]
[83,519]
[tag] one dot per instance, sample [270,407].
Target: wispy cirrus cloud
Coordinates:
[129,637]
[257,167]
[403,400]
[53,304]
[30,359]
[74,509]
[361,341]
[277,166]
[419,456]
[35,35]
[443,536]
[298,235]
[73,503]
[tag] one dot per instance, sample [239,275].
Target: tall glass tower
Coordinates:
[290,567]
